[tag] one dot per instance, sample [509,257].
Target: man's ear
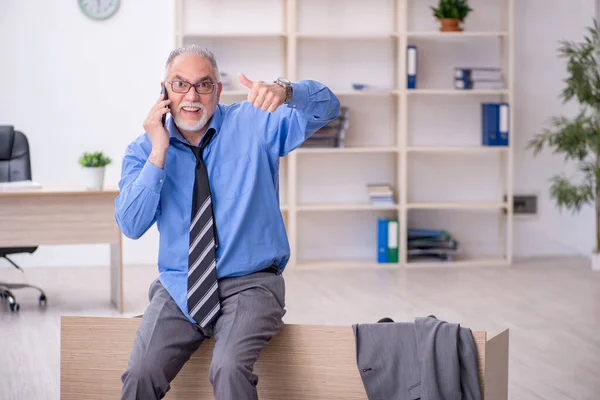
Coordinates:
[219,89]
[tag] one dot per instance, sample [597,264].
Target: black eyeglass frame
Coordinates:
[194,85]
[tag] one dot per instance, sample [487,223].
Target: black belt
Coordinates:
[271,269]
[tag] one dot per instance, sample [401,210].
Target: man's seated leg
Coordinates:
[252,310]
[165,341]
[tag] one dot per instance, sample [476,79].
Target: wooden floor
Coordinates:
[552,308]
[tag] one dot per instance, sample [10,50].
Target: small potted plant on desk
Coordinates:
[451,13]
[94,165]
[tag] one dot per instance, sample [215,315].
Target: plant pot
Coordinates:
[596,261]
[94,177]
[450,25]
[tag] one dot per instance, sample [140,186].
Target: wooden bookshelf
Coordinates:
[389,137]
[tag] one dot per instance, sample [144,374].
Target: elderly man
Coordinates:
[209,178]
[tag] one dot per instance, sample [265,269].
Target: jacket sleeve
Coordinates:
[312,106]
[138,203]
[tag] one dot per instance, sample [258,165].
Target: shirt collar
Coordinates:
[215,123]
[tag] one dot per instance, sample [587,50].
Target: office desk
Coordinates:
[59,215]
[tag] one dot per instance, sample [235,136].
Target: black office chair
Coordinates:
[15,165]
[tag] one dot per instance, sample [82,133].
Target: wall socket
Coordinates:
[524,204]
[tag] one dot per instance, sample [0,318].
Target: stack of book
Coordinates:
[478,78]
[332,134]
[380,194]
[431,245]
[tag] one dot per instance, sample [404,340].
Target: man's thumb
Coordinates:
[245,81]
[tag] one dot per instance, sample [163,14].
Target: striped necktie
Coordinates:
[202,294]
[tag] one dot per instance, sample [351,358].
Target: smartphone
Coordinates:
[165,97]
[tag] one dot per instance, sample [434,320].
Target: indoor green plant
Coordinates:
[578,138]
[451,13]
[94,164]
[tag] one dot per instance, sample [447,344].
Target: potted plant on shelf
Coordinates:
[578,138]
[451,13]
[94,164]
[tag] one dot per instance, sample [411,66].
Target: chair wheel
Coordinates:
[14,307]
[42,300]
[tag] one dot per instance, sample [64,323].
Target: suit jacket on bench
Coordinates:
[428,360]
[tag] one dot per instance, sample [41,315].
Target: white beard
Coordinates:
[192,126]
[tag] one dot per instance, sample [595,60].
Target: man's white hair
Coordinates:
[193,49]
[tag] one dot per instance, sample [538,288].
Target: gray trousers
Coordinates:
[252,310]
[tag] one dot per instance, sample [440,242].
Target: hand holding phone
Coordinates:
[154,125]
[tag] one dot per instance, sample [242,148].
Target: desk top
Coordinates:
[59,190]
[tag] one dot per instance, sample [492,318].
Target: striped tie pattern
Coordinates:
[202,294]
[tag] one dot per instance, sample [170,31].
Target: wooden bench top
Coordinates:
[303,362]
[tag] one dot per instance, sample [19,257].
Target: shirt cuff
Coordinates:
[299,96]
[151,177]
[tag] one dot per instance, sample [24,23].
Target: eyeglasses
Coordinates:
[204,87]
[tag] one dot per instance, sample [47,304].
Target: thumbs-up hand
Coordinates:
[266,96]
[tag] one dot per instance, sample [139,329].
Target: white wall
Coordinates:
[73,85]
[539,25]
[62,73]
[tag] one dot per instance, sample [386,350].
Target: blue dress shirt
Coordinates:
[242,161]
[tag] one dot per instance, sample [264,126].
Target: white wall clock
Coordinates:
[99,9]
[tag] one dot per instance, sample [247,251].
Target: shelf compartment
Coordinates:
[456,123]
[458,149]
[345,207]
[456,35]
[479,230]
[328,17]
[343,264]
[442,180]
[456,205]
[489,16]
[469,263]
[339,180]
[340,237]
[222,17]
[370,123]
[457,92]
[368,62]
[346,150]
[437,60]
[366,92]
[346,36]
[235,35]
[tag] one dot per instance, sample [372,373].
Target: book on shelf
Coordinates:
[387,240]
[380,194]
[478,85]
[331,135]
[478,78]
[411,67]
[494,124]
[478,73]
[431,245]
